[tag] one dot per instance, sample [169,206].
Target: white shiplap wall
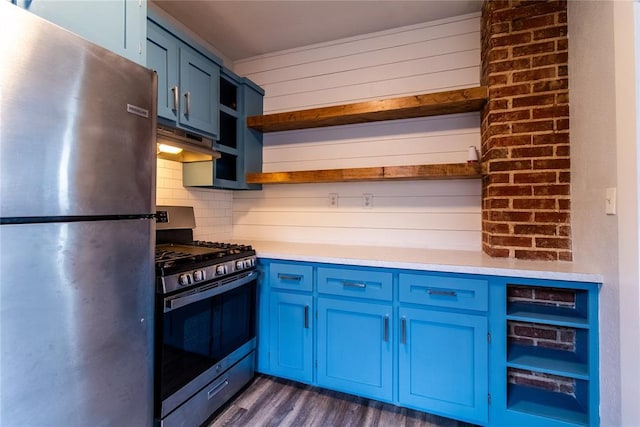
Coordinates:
[429,57]
[212,208]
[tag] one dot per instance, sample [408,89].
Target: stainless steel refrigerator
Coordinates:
[77,191]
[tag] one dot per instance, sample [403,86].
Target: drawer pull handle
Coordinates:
[306,317]
[354,285]
[291,277]
[403,330]
[386,328]
[442,293]
[217,389]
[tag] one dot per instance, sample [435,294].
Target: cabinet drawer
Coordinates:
[452,292]
[297,277]
[355,283]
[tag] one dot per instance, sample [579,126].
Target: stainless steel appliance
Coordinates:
[205,320]
[77,164]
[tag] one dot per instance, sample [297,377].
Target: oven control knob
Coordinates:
[221,269]
[184,280]
[239,265]
[198,276]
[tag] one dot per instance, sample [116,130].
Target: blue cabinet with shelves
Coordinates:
[443,343]
[543,379]
[188,82]
[239,146]
[117,25]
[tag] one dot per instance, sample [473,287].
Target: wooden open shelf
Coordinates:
[430,104]
[415,172]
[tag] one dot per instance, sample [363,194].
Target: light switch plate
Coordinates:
[610,201]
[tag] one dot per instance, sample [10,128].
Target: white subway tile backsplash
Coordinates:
[213,221]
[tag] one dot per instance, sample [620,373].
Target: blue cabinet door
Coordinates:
[443,363]
[199,80]
[291,336]
[117,25]
[355,353]
[162,56]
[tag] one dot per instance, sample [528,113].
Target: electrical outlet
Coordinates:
[333,200]
[367,200]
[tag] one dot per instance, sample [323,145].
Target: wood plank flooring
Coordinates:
[272,402]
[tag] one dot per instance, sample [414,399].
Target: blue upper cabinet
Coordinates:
[117,25]
[199,80]
[188,82]
[162,56]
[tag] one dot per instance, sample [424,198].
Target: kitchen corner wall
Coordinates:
[212,208]
[429,57]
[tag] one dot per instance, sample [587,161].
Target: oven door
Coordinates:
[201,333]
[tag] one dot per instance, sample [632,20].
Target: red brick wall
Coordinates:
[525,130]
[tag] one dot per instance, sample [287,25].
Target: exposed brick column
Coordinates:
[525,130]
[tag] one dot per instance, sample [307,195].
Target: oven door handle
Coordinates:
[175,302]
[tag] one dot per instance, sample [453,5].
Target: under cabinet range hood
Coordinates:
[181,146]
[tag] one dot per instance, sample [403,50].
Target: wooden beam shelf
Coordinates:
[382,173]
[430,104]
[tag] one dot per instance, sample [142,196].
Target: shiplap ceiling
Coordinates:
[242,29]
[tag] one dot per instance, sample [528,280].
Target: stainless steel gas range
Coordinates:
[205,320]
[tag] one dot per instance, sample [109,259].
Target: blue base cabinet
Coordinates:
[443,363]
[355,348]
[487,350]
[117,25]
[291,336]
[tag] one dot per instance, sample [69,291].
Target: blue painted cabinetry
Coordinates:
[188,82]
[239,146]
[463,346]
[117,25]
[542,378]
[355,331]
[443,351]
[290,328]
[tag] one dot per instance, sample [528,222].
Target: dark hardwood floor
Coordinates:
[272,402]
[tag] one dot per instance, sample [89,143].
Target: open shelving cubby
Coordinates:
[551,378]
[424,105]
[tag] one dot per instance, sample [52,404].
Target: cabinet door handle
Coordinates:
[306,317]
[386,328]
[294,278]
[403,331]
[354,285]
[187,109]
[175,98]
[442,293]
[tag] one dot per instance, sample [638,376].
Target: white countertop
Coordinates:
[471,262]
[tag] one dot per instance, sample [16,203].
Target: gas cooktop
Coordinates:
[178,254]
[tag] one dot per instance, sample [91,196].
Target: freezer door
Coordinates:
[76,309]
[78,124]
